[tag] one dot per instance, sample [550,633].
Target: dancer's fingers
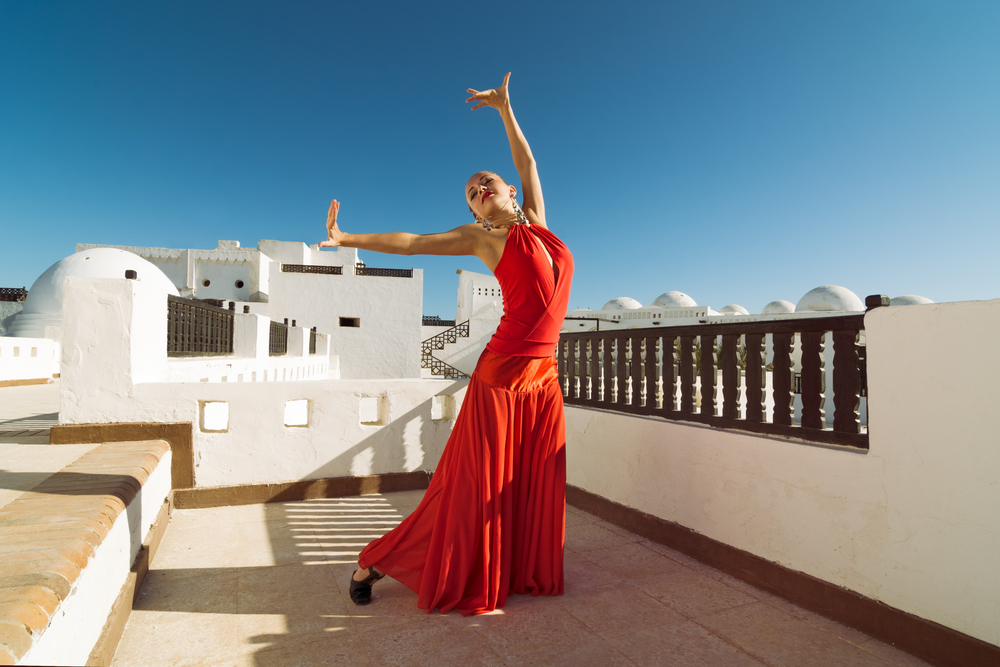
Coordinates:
[506,79]
[480,105]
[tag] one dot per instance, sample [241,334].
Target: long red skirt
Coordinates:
[493,519]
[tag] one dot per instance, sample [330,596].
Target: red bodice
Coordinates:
[535,295]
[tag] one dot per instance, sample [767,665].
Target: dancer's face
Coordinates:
[487,193]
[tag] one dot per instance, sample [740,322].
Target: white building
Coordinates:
[372,315]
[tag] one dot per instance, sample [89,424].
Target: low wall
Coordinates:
[27,359]
[254,433]
[69,547]
[911,523]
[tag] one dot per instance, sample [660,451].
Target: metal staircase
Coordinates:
[436,366]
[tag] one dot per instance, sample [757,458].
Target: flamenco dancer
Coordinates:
[492,521]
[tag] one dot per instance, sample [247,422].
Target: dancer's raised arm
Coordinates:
[524,161]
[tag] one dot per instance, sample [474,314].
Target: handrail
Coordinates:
[386,273]
[437,342]
[624,370]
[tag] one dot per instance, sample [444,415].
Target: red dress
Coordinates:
[492,521]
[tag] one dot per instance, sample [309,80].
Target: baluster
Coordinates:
[846,382]
[621,371]
[755,378]
[687,374]
[561,349]
[669,380]
[730,377]
[652,379]
[708,375]
[782,379]
[571,392]
[637,374]
[597,370]
[813,380]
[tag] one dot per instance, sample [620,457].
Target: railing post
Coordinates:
[686,363]
[813,379]
[846,382]
[781,380]
[730,377]
[755,378]
[708,375]
[651,366]
[571,389]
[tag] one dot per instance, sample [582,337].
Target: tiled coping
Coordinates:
[68,545]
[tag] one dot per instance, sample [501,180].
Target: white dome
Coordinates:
[833,298]
[674,299]
[622,303]
[733,309]
[43,307]
[779,306]
[909,300]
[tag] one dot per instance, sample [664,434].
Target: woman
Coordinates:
[492,521]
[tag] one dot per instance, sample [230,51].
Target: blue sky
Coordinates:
[737,151]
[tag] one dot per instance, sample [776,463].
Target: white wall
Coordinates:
[8,309]
[386,345]
[28,359]
[115,371]
[911,523]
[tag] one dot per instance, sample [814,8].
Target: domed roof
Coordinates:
[909,300]
[779,306]
[43,306]
[674,299]
[621,303]
[830,298]
[733,309]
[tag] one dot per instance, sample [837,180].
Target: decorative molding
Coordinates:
[331,487]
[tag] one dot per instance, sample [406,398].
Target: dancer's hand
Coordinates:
[496,98]
[333,233]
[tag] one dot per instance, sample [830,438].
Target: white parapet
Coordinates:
[28,360]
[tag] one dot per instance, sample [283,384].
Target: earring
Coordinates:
[521,218]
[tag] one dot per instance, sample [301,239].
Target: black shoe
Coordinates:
[361,591]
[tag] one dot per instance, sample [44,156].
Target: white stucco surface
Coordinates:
[116,370]
[28,358]
[77,623]
[8,310]
[911,523]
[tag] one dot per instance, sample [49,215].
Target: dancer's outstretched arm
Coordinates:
[469,239]
[524,161]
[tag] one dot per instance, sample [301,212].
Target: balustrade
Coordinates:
[673,372]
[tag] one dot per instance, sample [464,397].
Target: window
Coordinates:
[206,282]
[350,321]
[239,284]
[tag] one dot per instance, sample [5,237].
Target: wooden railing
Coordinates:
[653,372]
[278,339]
[309,268]
[13,293]
[197,329]
[385,273]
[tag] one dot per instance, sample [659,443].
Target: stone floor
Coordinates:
[267,585]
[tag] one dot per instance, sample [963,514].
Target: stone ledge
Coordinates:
[49,534]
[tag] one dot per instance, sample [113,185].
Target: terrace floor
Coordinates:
[267,585]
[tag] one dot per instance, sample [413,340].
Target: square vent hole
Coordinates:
[297,413]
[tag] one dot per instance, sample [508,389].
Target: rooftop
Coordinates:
[266,585]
